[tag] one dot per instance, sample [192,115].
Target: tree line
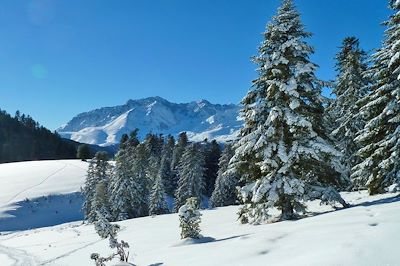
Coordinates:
[146,174]
[23,139]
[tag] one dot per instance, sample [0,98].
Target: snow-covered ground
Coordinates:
[366,234]
[40,193]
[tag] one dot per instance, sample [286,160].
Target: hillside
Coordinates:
[23,139]
[353,236]
[40,193]
[200,120]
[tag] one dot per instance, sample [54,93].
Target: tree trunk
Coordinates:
[287,211]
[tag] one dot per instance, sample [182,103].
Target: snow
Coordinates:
[368,233]
[40,193]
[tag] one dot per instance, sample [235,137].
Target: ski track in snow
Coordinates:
[36,185]
[20,257]
[50,261]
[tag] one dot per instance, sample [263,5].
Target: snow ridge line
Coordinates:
[36,185]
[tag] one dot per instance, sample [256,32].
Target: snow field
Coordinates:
[366,234]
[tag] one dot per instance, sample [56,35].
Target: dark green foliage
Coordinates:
[212,154]
[23,139]
[350,86]
[379,139]
[225,192]
[191,175]
[83,152]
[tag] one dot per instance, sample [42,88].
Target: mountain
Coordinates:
[200,119]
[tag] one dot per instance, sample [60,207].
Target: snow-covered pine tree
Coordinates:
[123,188]
[225,192]
[190,218]
[99,171]
[380,138]
[351,85]
[140,164]
[212,155]
[179,150]
[165,171]
[129,184]
[158,203]
[101,202]
[283,153]
[107,230]
[191,175]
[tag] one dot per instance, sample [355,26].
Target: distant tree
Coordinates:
[129,184]
[225,192]
[158,203]
[83,152]
[179,150]
[165,170]
[191,175]
[212,155]
[95,188]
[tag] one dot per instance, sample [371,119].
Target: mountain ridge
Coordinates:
[200,119]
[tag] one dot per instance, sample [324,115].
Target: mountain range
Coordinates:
[200,119]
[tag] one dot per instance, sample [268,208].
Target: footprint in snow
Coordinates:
[373,224]
[263,252]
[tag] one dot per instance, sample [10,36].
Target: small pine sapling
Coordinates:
[189,218]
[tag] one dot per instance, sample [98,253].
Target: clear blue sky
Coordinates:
[62,57]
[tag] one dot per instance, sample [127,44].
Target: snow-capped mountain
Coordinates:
[200,119]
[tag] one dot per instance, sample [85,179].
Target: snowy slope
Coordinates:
[40,193]
[200,119]
[366,234]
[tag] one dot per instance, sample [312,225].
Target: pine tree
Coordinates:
[191,175]
[158,203]
[129,185]
[212,155]
[99,172]
[225,192]
[351,86]
[380,138]
[190,218]
[83,152]
[283,153]
[165,171]
[179,150]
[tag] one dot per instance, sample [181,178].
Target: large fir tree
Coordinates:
[380,138]
[351,85]
[283,153]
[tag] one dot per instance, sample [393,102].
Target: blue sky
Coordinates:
[62,57]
